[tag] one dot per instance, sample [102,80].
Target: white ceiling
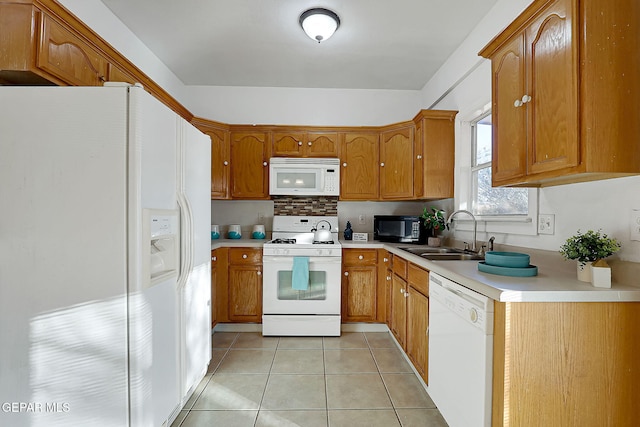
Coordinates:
[381,44]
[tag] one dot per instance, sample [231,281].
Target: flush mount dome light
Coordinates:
[319,23]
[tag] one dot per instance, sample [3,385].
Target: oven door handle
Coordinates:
[312,259]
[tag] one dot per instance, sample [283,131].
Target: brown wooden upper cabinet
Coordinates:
[220,156]
[304,144]
[42,43]
[359,154]
[434,155]
[565,74]
[249,165]
[396,162]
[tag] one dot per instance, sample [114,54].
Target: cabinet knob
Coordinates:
[299,143]
[225,163]
[385,259]
[244,256]
[344,164]
[406,294]
[388,278]
[309,144]
[419,156]
[264,163]
[517,103]
[402,291]
[360,257]
[259,273]
[213,258]
[525,98]
[382,164]
[346,273]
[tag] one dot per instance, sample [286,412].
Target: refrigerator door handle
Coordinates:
[186,246]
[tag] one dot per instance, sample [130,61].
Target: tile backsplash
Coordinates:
[300,206]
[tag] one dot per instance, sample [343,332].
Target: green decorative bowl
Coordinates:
[506,259]
[528,271]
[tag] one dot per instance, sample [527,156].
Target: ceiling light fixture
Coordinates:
[319,23]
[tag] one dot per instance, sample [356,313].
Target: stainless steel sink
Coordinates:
[452,257]
[442,253]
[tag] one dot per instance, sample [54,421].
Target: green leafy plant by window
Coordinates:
[433,219]
[590,246]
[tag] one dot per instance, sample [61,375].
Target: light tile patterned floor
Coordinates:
[358,379]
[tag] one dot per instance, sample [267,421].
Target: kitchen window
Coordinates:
[501,209]
[488,200]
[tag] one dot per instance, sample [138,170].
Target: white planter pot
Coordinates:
[584,271]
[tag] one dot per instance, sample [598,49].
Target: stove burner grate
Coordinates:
[318,242]
[285,241]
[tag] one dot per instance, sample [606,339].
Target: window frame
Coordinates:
[524,224]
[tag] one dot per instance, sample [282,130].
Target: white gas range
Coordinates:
[302,277]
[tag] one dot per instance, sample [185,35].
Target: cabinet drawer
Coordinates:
[400,267]
[245,256]
[359,256]
[418,278]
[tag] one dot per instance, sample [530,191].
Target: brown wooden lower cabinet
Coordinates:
[417,346]
[359,285]
[245,284]
[566,364]
[219,285]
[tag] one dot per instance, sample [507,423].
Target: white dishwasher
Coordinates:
[460,352]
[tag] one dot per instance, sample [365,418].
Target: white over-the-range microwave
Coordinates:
[305,176]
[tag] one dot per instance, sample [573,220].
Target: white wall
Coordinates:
[298,106]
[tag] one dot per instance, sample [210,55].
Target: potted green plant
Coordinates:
[587,248]
[433,221]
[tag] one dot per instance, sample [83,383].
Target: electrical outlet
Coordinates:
[362,220]
[634,225]
[546,223]
[260,217]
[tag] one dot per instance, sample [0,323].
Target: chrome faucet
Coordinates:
[491,242]
[475,225]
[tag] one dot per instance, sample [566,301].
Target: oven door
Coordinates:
[322,297]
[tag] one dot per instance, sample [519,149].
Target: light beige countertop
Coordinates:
[237,243]
[556,280]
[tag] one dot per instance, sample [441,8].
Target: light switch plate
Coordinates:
[546,223]
[634,225]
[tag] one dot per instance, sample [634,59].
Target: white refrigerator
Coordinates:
[104,257]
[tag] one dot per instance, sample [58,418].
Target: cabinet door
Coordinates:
[221,302]
[399,309]
[417,331]
[383,286]
[220,169]
[509,147]
[214,280]
[359,294]
[245,293]
[552,81]
[359,174]
[67,56]
[396,163]
[249,167]
[288,144]
[117,74]
[320,144]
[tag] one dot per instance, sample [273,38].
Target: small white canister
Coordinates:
[258,231]
[234,231]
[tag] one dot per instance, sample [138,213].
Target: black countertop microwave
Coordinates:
[397,228]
